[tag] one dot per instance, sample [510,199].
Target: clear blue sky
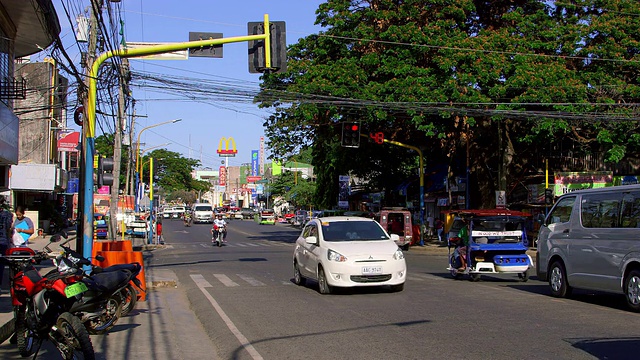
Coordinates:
[202,125]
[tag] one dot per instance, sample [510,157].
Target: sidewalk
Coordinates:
[153,330]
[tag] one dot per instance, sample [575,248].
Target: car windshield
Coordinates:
[352,231]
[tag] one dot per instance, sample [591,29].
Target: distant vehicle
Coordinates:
[138,227]
[398,221]
[300,218]
[202,213]
[348,252]
[247,213]
[267,217]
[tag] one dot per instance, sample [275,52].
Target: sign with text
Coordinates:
[222,176]
[254,178]
[254,162]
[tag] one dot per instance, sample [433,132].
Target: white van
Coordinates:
[202,212]
[591,240]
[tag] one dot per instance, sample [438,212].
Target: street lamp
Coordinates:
[140,133]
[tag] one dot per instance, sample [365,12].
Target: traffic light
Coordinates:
[350,134]
[278,39]
[105,167]
[548,196]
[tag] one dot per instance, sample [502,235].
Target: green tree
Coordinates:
[173,172]
[517,80]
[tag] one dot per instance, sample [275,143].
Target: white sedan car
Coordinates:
[345,251]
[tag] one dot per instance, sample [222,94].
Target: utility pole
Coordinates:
[87,237]
[117,146]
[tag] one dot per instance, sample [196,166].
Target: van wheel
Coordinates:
[632,290]
[558,280]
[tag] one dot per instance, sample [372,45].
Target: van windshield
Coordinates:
[203,208]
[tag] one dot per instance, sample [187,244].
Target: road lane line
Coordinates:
[250,280]
[252,244]
[240,244]
[224,279]
[232,327]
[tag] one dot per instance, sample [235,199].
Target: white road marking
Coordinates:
[243,245]
[232,327]
[250,280]
[224,279]
[200,280]
[252,244]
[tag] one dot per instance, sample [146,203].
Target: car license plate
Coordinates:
[75,289]
[371,270]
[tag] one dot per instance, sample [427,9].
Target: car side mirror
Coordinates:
[313,240]
[395,237]
[99,258]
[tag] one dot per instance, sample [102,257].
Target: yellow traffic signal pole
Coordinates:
[89,125]
[421,173]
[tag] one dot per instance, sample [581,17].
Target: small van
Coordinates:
[591,240]
[202,213]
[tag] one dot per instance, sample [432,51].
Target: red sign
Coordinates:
[69,141]
[253,178]
[222,176]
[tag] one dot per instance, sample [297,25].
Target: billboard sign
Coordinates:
[225,150]
[222,176]
[254,162]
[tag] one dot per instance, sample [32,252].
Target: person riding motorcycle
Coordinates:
[187,218]
[219,223]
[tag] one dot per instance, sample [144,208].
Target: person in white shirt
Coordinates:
[219,222]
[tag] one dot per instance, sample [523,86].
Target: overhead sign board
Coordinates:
[173,55]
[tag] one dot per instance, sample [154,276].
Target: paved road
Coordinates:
[238,302]
[243,295]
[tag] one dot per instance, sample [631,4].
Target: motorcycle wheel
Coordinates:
[109,318]
[129,297]
[28,342]
[71,338]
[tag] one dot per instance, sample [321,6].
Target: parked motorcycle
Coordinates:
[217,234]
[110,294]
[41,307]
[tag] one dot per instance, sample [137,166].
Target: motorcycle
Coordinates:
[218,233]
[187,220]
[110,293]
[41,307]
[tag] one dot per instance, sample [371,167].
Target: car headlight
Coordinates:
[335,256]
[398,255]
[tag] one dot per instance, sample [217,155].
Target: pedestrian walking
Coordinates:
[6,220]
[159,229]
[439,225]
[23,226]
[430,232]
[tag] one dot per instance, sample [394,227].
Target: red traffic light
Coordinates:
[354,127]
